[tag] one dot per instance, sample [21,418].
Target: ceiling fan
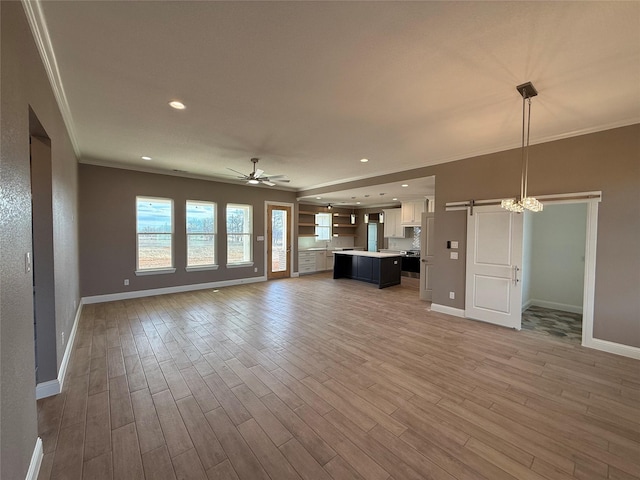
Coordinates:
[258,176]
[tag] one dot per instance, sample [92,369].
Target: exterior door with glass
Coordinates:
[279,241]
[494,260]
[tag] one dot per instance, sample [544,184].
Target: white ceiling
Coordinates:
[313,87]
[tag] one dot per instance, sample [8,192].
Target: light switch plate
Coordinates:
[454,244]
[454,255]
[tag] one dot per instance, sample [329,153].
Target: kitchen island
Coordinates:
[382,269]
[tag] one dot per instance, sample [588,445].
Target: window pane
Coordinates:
[200,250]
[239,219]
[154,215]
[154,225]
[200,233]
[239,233]
[278,240]
[323,226]
[154,250]
[200,217]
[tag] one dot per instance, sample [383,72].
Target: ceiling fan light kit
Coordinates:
[527,90]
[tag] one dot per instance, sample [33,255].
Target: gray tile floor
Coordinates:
[555,323]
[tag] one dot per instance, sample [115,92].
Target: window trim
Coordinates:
[243,206]
[214,234]
[160,270]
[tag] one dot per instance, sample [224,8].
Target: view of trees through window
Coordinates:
[154,226]
[323,226]
[239,233]
[201,245]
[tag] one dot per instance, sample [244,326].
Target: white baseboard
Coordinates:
[555,306]
[527,304]
[111,297]
[612,347]
[54,387]
[295,275]
[48,389]
[456,312]
[36,461]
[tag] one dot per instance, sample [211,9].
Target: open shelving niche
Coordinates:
[306,224]
[345,229]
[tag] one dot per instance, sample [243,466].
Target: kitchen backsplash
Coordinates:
[311,242]
[411,243]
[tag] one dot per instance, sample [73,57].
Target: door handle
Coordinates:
[514,275]
[423,260]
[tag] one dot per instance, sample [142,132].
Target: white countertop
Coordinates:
[367,254]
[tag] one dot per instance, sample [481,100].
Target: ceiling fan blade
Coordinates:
[275,176]
[240,173]
[258,173]
[283,180]
[267,182]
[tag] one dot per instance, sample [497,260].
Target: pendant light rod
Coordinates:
[527,90]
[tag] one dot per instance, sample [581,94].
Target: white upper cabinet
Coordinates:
[393,223]
[412,212]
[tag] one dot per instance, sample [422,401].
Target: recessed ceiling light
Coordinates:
[146,158]
[405,185]
[177,105]
[357,203]
[318,198]
[394,199]
[364,160]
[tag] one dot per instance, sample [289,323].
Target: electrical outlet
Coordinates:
[63,339]
[454,244]
[126,282]
[453,255]
[255,270]
[452,295]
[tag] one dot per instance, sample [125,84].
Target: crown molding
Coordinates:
[35,17]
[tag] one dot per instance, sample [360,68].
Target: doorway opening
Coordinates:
[278,244]
[554,243]
[44,305]
[372,237]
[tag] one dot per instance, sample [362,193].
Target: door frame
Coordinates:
[592,199]
[267,224]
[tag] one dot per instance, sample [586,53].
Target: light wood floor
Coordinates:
[318,378]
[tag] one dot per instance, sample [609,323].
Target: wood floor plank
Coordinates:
[207,445]
[98,468]
[150,435]
[306,466]
[157,464]
[127,461]
[222,471]
[120,402]
[97,439]
[175,432]
[234,408]
[266,452]
[187,466]
[240,455]
[67,462]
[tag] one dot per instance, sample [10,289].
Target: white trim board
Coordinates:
[111,297]
[36,461]
[612,347]
[554,306]
[54,387]
[456,312]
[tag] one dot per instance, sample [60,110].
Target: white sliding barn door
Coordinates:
[494,260]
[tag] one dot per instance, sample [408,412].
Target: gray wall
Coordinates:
[557,265]
[608,161]
[24,84]
[108,227]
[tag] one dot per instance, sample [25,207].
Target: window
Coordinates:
[239,234]
[323,226]
[201,234]
[154,228]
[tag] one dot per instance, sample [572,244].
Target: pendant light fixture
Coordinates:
[527,90]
